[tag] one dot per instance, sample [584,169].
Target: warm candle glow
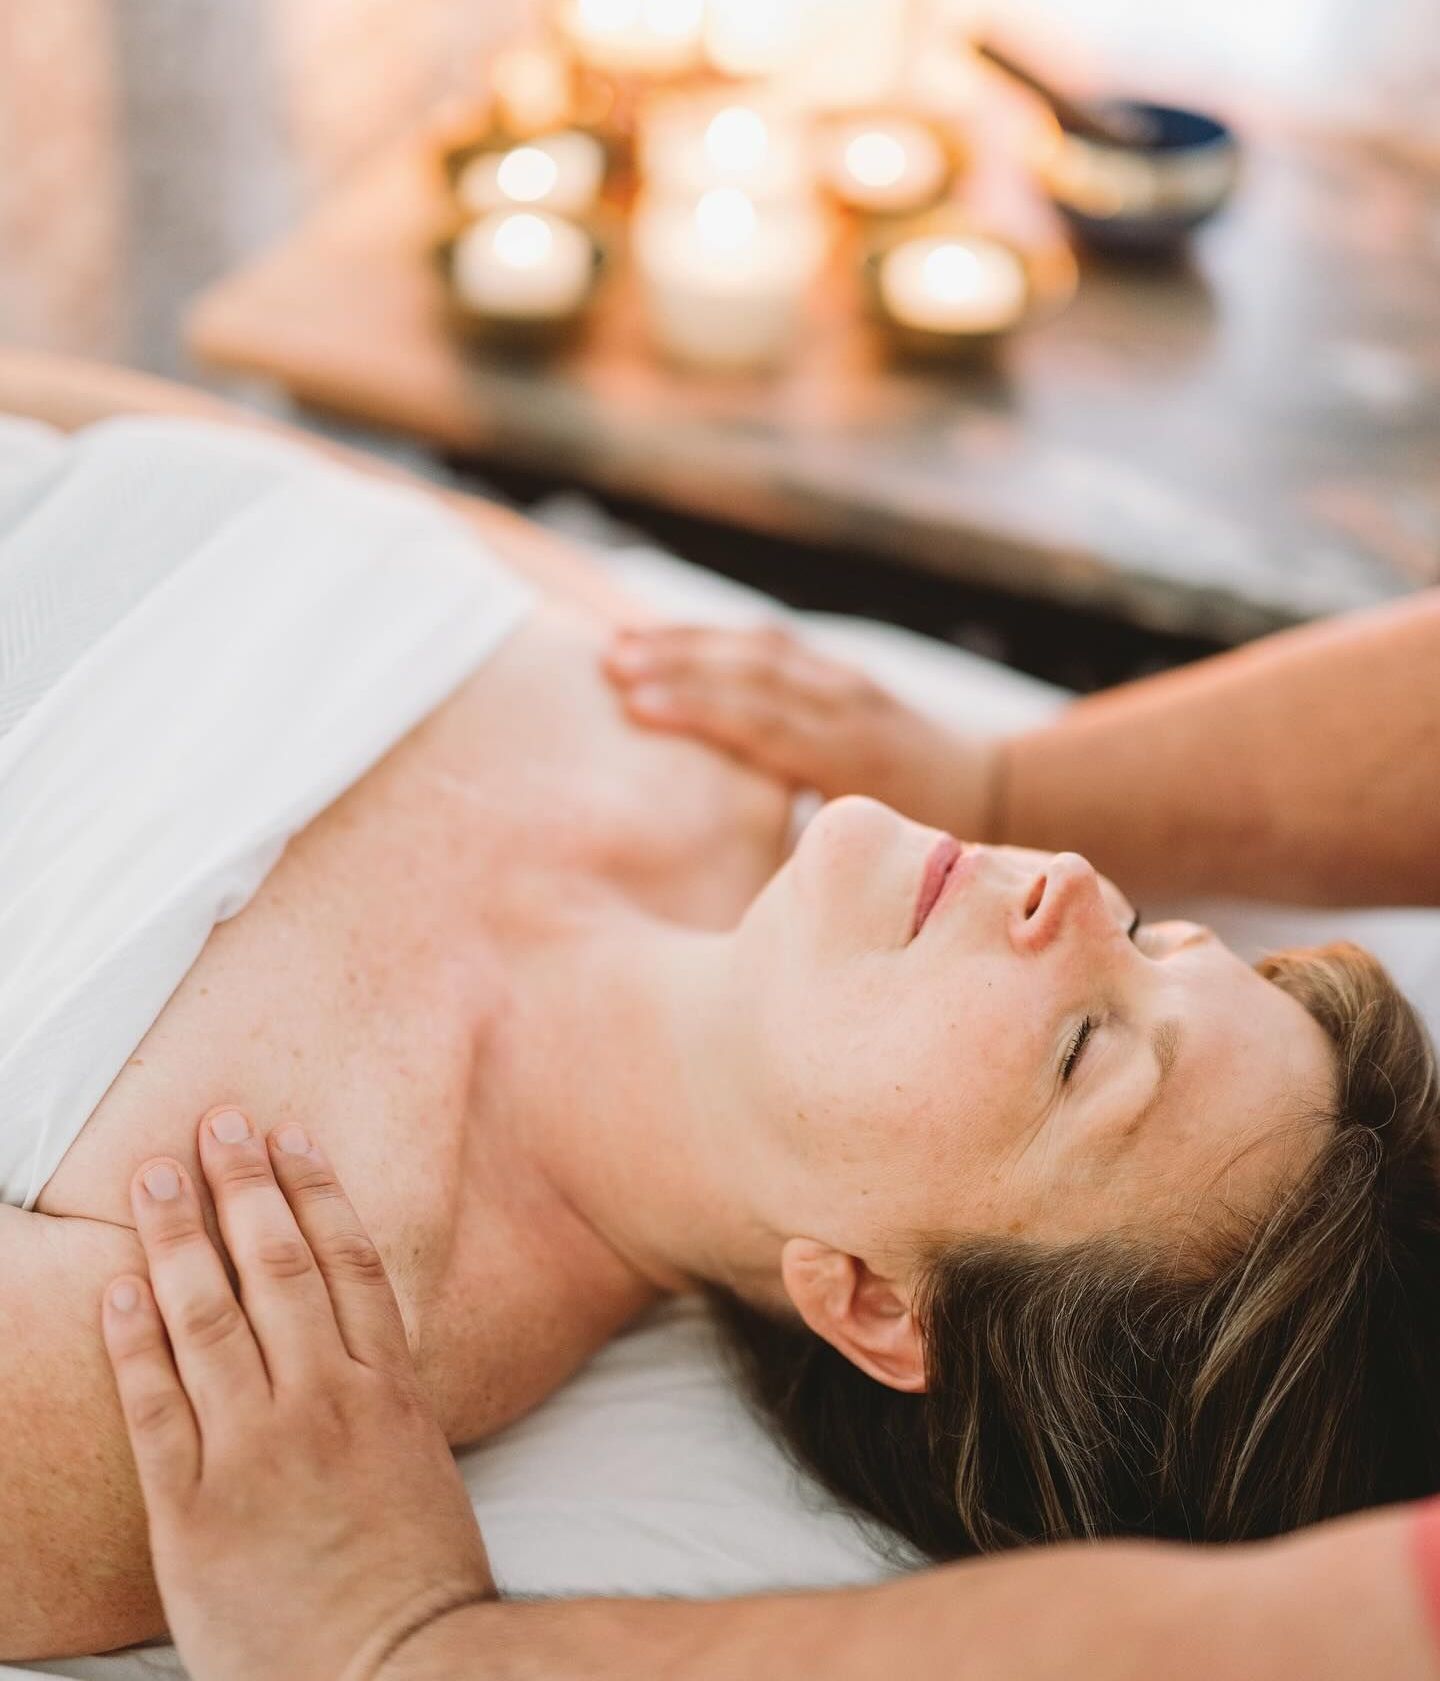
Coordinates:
[690,141]
[563,172]
[726,219]
[886,164]
[726,278]
[876,160]
[523,241]
[950,273]
[523,265]
[959,286]
[527,174]
[737,140]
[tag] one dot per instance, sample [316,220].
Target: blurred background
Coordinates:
[152,146]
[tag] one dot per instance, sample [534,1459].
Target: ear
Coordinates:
[868,1318]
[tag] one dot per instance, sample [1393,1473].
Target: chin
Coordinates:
[853,829]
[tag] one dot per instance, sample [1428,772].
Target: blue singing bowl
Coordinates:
[1145,197]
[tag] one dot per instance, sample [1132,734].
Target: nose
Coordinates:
[1067,890]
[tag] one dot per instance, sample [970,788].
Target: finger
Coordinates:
[214,1347]
[742,721]
[790,689]
[364,1303]
[280,1283]
[763,656]
[163,1434]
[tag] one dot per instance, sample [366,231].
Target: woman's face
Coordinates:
[1012,1062]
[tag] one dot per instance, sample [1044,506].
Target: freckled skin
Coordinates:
[981,1134]
[359,993]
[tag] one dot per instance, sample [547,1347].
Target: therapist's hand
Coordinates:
[766,697]
[305,1511]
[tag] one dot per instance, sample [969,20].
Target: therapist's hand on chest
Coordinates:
[306,1515]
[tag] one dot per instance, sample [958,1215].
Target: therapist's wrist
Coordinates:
[972,797]
[428,1644]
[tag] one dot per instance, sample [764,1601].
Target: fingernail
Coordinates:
[125,1298]
[162,1182]
[292,1140]
[651,697]
[230,1126]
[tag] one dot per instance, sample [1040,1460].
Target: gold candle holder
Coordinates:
[888,163]
[520,281]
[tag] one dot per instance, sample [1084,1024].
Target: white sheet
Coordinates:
[205,638]
[646,1474]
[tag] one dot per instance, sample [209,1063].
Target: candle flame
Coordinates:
[523,241]
[875,159]
[726,218]
[950,272]
[737,139]
[527,175]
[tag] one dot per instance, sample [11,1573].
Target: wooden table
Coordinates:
[1247,442]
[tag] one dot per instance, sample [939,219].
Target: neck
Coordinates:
[619,1077]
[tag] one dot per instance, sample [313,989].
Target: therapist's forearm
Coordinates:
[1305,767]
[1339,1604]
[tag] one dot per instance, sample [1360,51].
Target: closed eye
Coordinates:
[1078,1041]
[1081,1036]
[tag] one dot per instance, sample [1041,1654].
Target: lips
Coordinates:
[944,856]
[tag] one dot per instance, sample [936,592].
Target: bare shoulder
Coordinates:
[74,1564]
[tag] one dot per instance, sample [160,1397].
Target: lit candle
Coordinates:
[960,288]
[726,278]
[688,144]
[523,266]
[885,165]
[562,172]
[635,37]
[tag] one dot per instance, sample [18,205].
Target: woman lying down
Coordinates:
[1030,1219]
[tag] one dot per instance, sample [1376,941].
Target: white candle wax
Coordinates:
[726,279]
[562,172]
[957,285]
[690,143]
[885,164]
[635,37]
[523,266]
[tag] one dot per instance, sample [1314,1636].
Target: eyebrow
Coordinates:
[1165,1042]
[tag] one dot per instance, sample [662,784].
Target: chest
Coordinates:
[356,991]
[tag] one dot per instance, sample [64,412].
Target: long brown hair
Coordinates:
[1098,1388]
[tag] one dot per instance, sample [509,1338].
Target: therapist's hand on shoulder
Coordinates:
[305,1512]
[770,699]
